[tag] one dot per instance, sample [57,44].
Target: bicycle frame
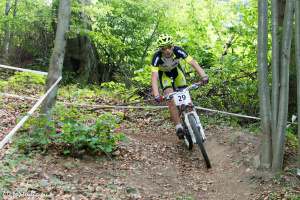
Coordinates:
[188,109]
[194,133]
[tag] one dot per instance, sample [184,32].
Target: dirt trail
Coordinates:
[152,164]
[165,169]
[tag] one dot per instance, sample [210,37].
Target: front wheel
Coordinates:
[199,139]
[188,140]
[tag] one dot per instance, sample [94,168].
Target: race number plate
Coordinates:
[182,98]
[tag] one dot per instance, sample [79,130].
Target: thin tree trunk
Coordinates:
[265,107]
[15,7]
[278,150]
[14,15]
[6,41]
[297,37]
[227,45]
[275,69]
[148,44]
[57,57]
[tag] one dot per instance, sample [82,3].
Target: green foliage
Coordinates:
[63,113]
[74,92]
[120,91]
[117,31]
[72,133]
[113,86]
[184,198]
[142,77]
[24,83]
[124,34]
[233,81]
[10,162]
[3,84]
[31,28]
[291,137]
[26,78]
[95,138]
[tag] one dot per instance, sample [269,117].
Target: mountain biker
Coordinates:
[166,68]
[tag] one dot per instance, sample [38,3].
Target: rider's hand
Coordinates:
[158,98]
[205,80]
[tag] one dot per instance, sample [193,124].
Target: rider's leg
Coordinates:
[166,83]
[175,115]
[172,108]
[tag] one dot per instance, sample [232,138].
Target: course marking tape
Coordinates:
[8,137]
[132,107]
[22,69]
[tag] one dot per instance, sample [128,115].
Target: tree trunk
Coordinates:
[90,72]
[81,54]
[281,5]
[227,45]
[15,7]
[265,107]
[278,152]
[275,69]
[149,43]
[6,41]
[297,39]
[57,57]
[14,15]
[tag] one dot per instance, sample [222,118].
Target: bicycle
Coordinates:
[193,130]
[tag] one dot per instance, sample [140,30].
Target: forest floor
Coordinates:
[151,164]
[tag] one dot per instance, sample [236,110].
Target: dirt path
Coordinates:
[162,168]
[152,164]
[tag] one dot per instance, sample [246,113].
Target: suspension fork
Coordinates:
[185,115]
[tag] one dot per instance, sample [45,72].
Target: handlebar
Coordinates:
[193,86]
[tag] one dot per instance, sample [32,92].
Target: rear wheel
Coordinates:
[199,139]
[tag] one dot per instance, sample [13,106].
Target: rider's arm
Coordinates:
[154,78]
[183,54]
[197,67]
[154,75]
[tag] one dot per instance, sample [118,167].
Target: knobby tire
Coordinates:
[199,140]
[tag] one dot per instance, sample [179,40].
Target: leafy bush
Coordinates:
[114,86]
[75,93]
[72,135]
[291,136]
[3,84]
[27,78]
[142,77]
[120,91]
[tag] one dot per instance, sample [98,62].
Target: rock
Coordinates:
[44,183]
[91,188]
[116,153]
[131,190]
[135,196]
[98,189]
[204,188]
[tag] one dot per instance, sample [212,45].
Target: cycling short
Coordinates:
[176,74]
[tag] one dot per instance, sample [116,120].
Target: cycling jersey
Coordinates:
[161,63]
[169,69]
